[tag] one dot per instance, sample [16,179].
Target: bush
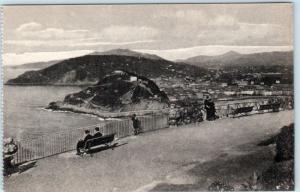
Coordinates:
[220,186]
[285,144]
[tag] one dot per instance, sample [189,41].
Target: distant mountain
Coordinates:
[35,65]
[89,69]
[232,59]
[128,52]
[117,91]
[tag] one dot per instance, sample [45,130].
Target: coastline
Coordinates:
[60,106]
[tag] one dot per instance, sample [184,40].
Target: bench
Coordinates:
[242,110]
[95,142]
[274,107]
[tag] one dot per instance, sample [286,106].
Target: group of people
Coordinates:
[193,112]
[87,135]
[190,114]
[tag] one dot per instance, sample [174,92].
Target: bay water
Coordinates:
[25,116]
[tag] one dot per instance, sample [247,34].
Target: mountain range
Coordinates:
[128,52]
[233,59]
[91,68]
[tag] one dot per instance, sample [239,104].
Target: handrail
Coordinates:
[62,141]
[65,140]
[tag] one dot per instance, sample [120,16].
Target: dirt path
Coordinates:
[174,158]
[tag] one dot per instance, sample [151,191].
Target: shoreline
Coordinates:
[59,106]
[80,113]
[47,84]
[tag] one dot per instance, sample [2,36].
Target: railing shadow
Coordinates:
[106,147]
[19,168]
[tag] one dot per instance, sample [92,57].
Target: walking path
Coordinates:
[158,159]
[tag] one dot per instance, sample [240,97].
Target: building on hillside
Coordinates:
[224,84]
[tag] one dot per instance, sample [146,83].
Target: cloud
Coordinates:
[223,21]
[191,15]
[128,33]
[245,34]
[113,33]
[32,26]
[157,28]
[34,30]
[71,43]
[33,36]
[97,43]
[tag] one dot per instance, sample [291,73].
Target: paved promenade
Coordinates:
[153,160]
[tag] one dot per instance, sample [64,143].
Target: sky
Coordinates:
[44,33]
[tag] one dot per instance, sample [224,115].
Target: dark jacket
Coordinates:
[87,137]
[135,122]
[98,134]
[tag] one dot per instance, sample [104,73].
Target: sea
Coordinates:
[24,113]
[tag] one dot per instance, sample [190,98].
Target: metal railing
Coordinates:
[59,142]
[227,110]
[56,143]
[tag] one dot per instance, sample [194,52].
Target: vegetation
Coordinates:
[116,92]
[89,69]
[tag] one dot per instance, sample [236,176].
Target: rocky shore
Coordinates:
[118,94]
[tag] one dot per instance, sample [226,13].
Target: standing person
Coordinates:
[135,124]
[207,107]
[213,109]
[9,149]
[97,133]
[210,109]
[82,141]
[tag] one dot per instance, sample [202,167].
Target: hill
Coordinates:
[118,91]
[232,59]
[89,69]
[35,65]
[128,52]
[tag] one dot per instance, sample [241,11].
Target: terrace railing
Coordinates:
[59,142]
[224,111]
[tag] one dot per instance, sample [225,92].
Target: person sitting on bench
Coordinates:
[82,141]
[97,133]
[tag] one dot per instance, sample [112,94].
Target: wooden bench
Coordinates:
[98,141]
[242,110]
[274,107]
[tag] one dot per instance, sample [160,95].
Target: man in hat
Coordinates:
[97,133]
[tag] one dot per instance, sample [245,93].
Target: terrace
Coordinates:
[164,157]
